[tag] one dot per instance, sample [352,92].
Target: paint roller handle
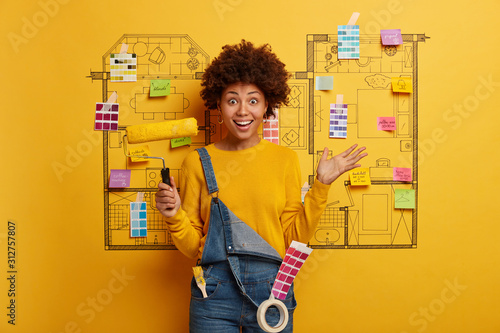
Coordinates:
[167,199]
[165,176]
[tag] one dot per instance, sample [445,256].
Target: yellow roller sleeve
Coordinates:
[165,130]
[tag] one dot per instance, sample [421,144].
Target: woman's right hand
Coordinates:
[168,200]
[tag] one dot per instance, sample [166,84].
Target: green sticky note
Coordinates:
[404,199]
[324,82]
[159,88]
[180,142]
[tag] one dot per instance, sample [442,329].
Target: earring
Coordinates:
[219,118]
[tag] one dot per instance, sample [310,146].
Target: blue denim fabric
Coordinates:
[239,270]
[227,234]
[208,170]
[226,309]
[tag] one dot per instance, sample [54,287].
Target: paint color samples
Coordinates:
[123,67]
[138,219]
[106,117]
[338,121]
[295,257]
[348,42]
[271,130]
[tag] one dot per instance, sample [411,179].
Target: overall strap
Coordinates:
[208,170]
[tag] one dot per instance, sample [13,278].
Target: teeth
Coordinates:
[243,123]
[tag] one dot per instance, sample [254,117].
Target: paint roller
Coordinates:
[170,129]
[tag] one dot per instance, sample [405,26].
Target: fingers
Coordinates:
[353,162]
[172,181]
[348,154]
[350,167]
[171,187]
[167,196]
[357,152]
[358,156]
[163,186]
[324,156]
[349,150]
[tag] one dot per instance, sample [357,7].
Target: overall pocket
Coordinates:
[211,287]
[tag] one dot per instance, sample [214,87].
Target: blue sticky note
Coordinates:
[324,82]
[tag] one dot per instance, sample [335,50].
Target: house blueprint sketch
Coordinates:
[355,216]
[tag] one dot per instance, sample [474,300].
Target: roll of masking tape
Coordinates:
[261,315]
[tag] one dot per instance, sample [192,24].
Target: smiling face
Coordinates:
[243,106]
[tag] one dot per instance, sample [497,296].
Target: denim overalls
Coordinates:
[239,269]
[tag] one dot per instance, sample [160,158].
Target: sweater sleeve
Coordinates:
[186,227]
[300,220]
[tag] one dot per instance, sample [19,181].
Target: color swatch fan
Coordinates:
[295,257]
[138,217]
[348,39]
[123,67]
[271,129]
[338,121]
[106,117]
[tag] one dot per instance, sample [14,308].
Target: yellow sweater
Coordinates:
[261,185]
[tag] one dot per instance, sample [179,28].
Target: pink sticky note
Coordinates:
[119,178]
[401,174]
[386,123]
[391,37]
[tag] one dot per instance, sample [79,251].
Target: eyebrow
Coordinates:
[250,93]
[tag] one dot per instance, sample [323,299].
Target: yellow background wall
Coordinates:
[67,282]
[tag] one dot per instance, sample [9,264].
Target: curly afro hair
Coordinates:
[248,64]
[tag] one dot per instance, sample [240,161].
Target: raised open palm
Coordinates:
[330,169]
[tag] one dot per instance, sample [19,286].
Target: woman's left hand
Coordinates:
[331,169]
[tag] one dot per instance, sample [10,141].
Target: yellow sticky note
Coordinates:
[139,151]
[360,177]
[402,84]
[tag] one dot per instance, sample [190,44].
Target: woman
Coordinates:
[250,191]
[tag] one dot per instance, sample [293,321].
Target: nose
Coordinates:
[242,110]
